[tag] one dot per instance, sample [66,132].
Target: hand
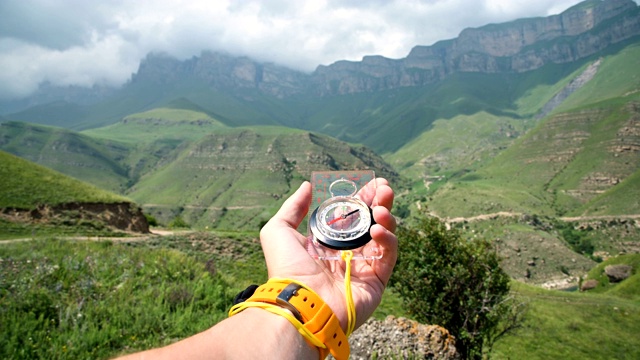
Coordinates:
[287,257]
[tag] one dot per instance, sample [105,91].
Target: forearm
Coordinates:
[251,334]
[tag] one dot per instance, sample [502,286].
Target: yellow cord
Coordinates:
[351,308]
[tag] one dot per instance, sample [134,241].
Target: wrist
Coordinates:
[282,340]
[312,317]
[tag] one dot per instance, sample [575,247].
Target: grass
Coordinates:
[82,299]
[71,300]
[462,142]
[573,326]
[617,77]
[158,123]
[61,226]
[27,185]
[92,160]
[628,289]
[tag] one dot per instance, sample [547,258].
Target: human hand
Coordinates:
[287,257]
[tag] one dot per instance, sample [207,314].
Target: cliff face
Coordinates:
[221,71]
[517,46]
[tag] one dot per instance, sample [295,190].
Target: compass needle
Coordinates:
[342,217]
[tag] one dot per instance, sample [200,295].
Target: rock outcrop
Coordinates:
[517,46]
[402,339]
[618,273]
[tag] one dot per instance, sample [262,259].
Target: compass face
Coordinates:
[342,223]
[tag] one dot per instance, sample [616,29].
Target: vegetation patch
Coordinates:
[26,185]
[100,299]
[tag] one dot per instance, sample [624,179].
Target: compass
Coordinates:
[342,222]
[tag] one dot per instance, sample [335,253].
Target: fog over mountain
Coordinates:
[75,43]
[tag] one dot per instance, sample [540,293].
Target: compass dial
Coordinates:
[342,223]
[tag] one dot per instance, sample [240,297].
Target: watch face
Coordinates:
[342,223]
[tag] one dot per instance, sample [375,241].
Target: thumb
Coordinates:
[294,209]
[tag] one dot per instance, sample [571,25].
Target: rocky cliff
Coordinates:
[517,46]
[221,71]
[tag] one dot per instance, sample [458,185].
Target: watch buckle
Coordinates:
[285,295]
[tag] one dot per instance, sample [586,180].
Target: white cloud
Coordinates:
[79,42]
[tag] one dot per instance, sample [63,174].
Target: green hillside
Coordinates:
[462,142]
[572,325]
[91,160]
[237,177]
[159,123]
[629,288]
[568,160]
[26,185]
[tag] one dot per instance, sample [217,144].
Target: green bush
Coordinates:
[178,223]
[447,280]
[151,220]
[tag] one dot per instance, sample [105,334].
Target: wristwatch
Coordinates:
[309,308]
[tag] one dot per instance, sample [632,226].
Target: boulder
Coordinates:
[617,273]
[588,285]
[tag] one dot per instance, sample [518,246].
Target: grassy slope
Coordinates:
[159,123]
[599,324]
[534,174]
[26,185]
[239,176]
[624,198]
[573,326]
[629,289]
[386,120]
[83,157]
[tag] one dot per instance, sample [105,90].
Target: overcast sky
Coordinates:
[83,42]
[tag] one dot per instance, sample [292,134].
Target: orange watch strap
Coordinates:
[310,310]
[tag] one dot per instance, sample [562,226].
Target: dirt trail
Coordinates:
[516,214]
[135,238]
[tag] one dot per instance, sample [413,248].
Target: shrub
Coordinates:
[178,222]
[456,283]
[151,220]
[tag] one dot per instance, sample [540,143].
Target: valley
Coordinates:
[525,133]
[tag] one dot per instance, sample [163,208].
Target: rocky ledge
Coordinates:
[400,338]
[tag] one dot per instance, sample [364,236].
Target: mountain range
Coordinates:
[522,123]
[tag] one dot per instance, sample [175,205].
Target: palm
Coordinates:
[287,256]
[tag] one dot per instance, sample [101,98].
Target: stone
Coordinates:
[402,338]
[589,284]
[617,273]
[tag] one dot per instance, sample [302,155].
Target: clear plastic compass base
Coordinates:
[371,251]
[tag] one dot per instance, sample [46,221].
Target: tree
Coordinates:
[456,283]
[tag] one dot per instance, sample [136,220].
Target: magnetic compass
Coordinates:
[342,222]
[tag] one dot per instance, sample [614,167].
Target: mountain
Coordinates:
[246,92]
[239,176]
[585,150]
[517,46]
